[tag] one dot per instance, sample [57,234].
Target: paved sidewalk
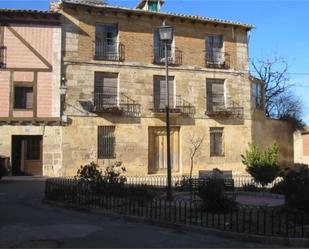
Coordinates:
[26,222]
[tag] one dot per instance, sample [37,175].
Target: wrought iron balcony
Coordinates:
[224,111]
[174,55]
[219,60]
[110,51]
[2,57]
[122,105]
[181,107]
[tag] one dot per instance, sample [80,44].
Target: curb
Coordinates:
[295,242]
[24,179]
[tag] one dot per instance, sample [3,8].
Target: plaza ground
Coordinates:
[27,222]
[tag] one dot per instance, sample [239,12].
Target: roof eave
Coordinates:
[247,27]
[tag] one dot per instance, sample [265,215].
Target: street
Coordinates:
[26,222]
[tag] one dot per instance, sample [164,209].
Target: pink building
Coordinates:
[30,77]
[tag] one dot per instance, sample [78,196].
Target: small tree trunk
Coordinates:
[191,167]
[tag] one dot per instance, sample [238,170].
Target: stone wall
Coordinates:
[52,145]
[301,147]
[266,131]
[136,34]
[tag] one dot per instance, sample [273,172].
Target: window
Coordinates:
[159,92]
[159,49]
[215,94]
[214,49]
[257,95]
[23,97]
[106,90]
[106,142]
[106,42]
[33,149]
[216,142]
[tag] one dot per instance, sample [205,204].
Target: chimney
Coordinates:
[150,5]
[54,6]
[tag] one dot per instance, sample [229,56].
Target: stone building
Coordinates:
[301,146]
[113,64]
[114,107]
[30,56]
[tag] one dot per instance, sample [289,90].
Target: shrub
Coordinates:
[262,165]
[295,187]
[214,197]
[250,188]
[108,183]
[113,174]
[278,188]
[184,184]
[141,192]
[89,173]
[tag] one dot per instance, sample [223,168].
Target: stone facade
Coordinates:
[76,143]
[135,79]
[301,146]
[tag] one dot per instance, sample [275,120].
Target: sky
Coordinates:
[281,29]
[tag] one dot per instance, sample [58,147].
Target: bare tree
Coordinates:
[279,98]
[195,143]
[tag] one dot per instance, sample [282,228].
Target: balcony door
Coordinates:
[214,49]
[107,41]
[215,94]
[160,94]
[158,150]
[159,49]
[106,90]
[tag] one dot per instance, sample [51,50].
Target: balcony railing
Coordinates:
[122,105]
[232,109]
[2,57]
[174,55]
[181,107]
[110,51]
[219,60]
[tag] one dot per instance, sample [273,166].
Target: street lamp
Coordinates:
[63,92]
[166,35]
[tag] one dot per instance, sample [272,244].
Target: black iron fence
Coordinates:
[2,57]
[233,109]
[121,105]
[109,50]
[173,53]
[181,106]
[219,60]
[161,181]
[133,200]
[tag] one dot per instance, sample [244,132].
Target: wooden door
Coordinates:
[158,150]
[32,156]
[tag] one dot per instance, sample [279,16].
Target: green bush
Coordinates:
[262,164]
[214,197]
